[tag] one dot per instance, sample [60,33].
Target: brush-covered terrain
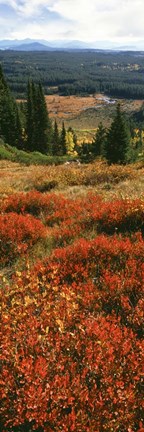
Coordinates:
[71,241]
[72,278]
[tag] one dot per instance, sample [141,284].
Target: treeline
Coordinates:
[112,88]
[40,134]
[10,125]
[121,143]
[27,126]
[116,74]
[113,144]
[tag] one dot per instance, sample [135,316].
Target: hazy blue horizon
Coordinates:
[71,44]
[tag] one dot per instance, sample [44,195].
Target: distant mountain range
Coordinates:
[32,46]
[43,45]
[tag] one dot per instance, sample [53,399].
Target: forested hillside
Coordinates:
[119,74]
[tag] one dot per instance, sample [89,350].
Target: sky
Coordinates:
[119,21]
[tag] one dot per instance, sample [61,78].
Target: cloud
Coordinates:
[28,8]
[89,20]
[99,19]
[32,19]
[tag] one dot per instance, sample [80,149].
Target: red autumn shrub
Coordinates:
[121,215]
[86,214]
[32,202]
[64,368]
[71,327]
[17,234]
[77,218]
[112,269]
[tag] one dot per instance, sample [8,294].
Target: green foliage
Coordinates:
[55,140]
[115,144]
[138,117]
[63,149]
[38,134]
[10,125]
[38,124]
[84,152]
[118,139]
[29,127]
[35,158]
[5,153]
[98,144]
[84,72]
[29,116]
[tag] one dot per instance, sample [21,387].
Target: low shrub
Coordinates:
[17,234]
[72,350]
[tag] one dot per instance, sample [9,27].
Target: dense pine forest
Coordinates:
[118,74]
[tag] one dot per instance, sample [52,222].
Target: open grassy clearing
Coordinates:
[119,181]
[85,113]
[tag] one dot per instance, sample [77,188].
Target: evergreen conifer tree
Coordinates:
[44,129]
[98,144]
[63,149]
[10,127]
[39,129]
[118,139]
[3,83]
[30,116]
[19,139]
[55,140]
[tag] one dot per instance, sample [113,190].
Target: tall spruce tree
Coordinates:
[43,124]
[39,129]
[118,139]
[98,144]
[10,126]
[55,140]
[3,83]
[30,115]
[63,148]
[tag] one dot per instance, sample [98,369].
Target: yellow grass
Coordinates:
[86,112]
[65,107]
[118,181]
[70,106]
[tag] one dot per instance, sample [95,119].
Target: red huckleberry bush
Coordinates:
[17,234]
[72,323]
